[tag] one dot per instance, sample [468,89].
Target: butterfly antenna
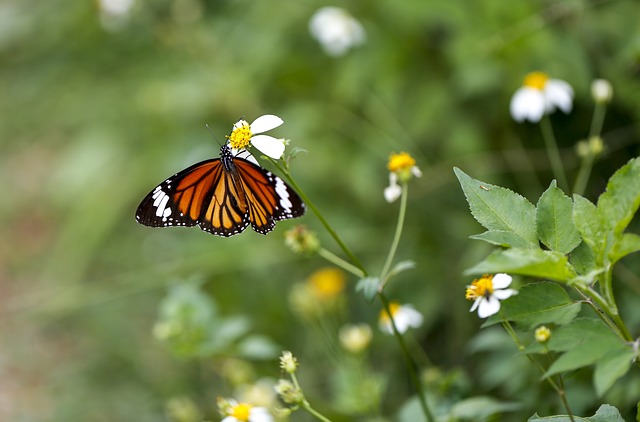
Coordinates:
[213,134]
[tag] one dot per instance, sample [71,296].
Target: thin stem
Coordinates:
[553,152]
[324,222]
[305,404]
[333,258]
[396,237]
[587,163]
[558,387]
[411,365]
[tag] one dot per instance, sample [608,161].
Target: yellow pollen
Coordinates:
[241,135]
[480,287]
[400,162]
[394,307]
[327,283]
[536,80]
[241,411]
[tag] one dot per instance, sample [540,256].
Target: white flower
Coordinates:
[336,30]
[244,412]
[355,337]
[404,317]
[244,134]
[539,95]
[401,167]
[601,91]
[487,292]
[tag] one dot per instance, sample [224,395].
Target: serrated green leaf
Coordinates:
[369,286]
[554,221]
[611,367]
[590,224]
[585,341]
[627,244]
[502,238]
[582,259]
[532,262]
[620,201]
[500,209]
[537,304]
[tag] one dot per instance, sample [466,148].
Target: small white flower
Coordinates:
[487,292]
[244,134]
[355,337]
[336,30]
[404,317]
[401,167]
[539,95]
[601,91]
[244,412]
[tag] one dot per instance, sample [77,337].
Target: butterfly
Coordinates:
[222,196]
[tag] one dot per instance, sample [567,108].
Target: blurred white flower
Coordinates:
[336,30]
[355,337]
[601,91]
[114,13]
[244,134]
[487,292]
[404,317]
[401,167]
[234,411]
[539,95]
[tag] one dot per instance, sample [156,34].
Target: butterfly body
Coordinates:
[222,196]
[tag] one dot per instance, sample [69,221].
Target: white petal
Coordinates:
[392,192]
[416,171]
[260,414]
[504,294]
[407,317]
[265,123]
[488,307]
[229,419]
[268,145]
[558,94]
[501,281]
[527,104]
[240,123]
[475,305]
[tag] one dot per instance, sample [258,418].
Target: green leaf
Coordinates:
[590,224]
[554,221]
[537,304]
[611,367]
[585,342]
[500,209]
[502,238]
[620,201]
[531,262]
[401,266]
[480,408]
[369,286]
[606,413]
[627,244]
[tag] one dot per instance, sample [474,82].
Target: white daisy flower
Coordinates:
[243,412]
[401,167]
[404,317]
[601,91]
[244,134]
[336,30]
[539,95]
[487,292]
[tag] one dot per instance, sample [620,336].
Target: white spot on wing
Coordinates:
[283,194]
[164,198]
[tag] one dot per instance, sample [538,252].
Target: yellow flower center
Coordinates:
[394,307]
[536,80]
[241,411]
[480,287]
[241,135]
[400,162]
[542,334]
[327,283]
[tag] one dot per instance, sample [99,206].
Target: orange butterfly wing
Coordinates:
[222,196]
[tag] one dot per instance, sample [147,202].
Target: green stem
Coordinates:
[324,222]
[558,387]
[411,365]
[587,163]
[305,404]
[396,236]
[333,258]
[553,152]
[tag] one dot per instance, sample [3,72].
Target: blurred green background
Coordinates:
[97,107]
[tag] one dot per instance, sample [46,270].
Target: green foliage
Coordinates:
[605,413]
[554,221]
